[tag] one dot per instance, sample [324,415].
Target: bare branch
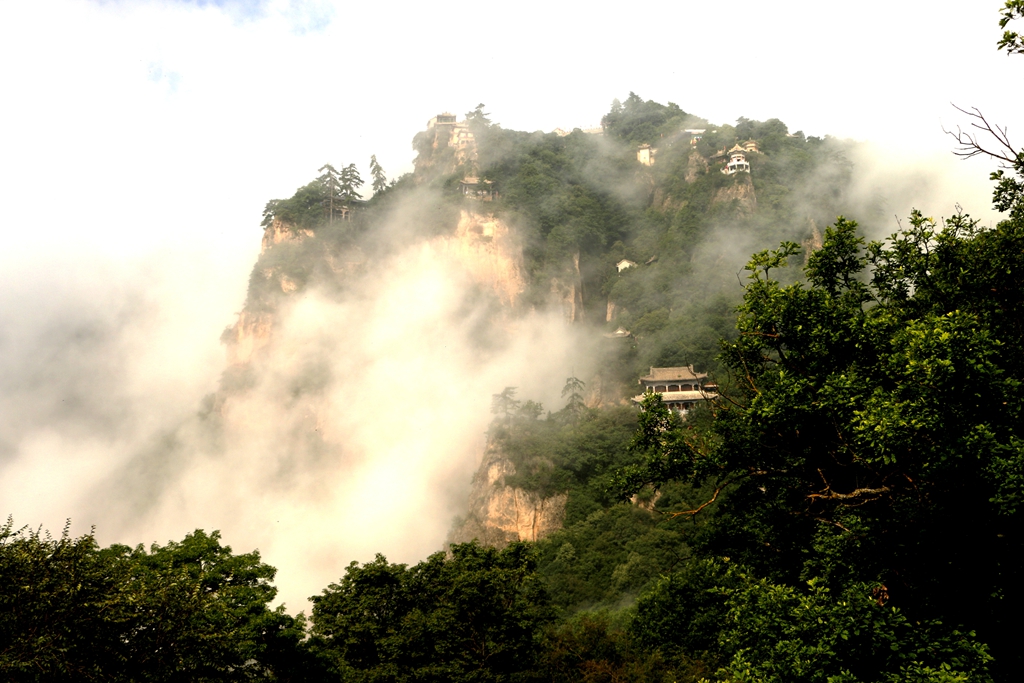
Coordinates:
[852,495]
[969,144]
[833,523]
[693,512]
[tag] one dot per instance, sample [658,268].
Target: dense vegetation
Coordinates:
[581,203]
[189,610]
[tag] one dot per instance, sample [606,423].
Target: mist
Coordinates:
[362,423]
[143,140]
[363,419]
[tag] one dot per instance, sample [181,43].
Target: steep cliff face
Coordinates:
[326,265]
[247,337]
[742,191]
[487,248]
[567,291]
[279,231]
[483,246]
[696,165]
[499,514]
[253,330]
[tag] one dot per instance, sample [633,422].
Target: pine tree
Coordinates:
[380,181]
[574,390]
[351,181]
[331,184]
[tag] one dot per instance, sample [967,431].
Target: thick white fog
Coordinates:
[360,435]
[141,140]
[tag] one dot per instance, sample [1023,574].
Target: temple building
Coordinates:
[645,154]
[681,388]
[450,132]
[737,161]
[474,188]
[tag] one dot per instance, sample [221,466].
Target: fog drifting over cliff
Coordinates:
[142,142]
[360,434]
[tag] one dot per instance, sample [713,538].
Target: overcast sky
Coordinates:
[140,140]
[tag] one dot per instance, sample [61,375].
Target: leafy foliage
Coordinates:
[871,406]
[1011,40]
[473,616]
[188,610]
[757,630]
[380,181]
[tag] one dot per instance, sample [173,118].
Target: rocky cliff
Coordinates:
[482,247]
[489,251]
[498,514]
[741,191]
[485,247]
[567,291]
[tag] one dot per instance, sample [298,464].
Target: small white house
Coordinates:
[645,155]
[623,264]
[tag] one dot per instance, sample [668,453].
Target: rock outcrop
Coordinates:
[280,231]
[486,247]
[696,165]
[247,337]
[741,191]
[499,514]
[567,291]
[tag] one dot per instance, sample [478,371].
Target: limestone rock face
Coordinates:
[742,190]
[279,231]
[499,514]
[485,246]
[695,165]
[249,335]
[567,291]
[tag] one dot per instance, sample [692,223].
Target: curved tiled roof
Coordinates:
[673,374]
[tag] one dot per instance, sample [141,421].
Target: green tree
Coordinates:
[197,611]
[349,183]
[574,406]
[269,211]
[56,620]
[475,615]
[190,610]
[590,647]
[305,209]
[1011,40]
[505,404]
[380,181]
[478,117]
[752,629]
[331,186]
[871,406]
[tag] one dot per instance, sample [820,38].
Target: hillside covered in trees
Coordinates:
[845,509]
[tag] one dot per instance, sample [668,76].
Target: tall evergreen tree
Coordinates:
[351,181]
[574,390]
[331,183]
[380,181]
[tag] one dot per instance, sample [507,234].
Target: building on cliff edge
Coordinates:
[681,388]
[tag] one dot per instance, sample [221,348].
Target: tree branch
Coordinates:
[968,144]
[694,512]
[828,494]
